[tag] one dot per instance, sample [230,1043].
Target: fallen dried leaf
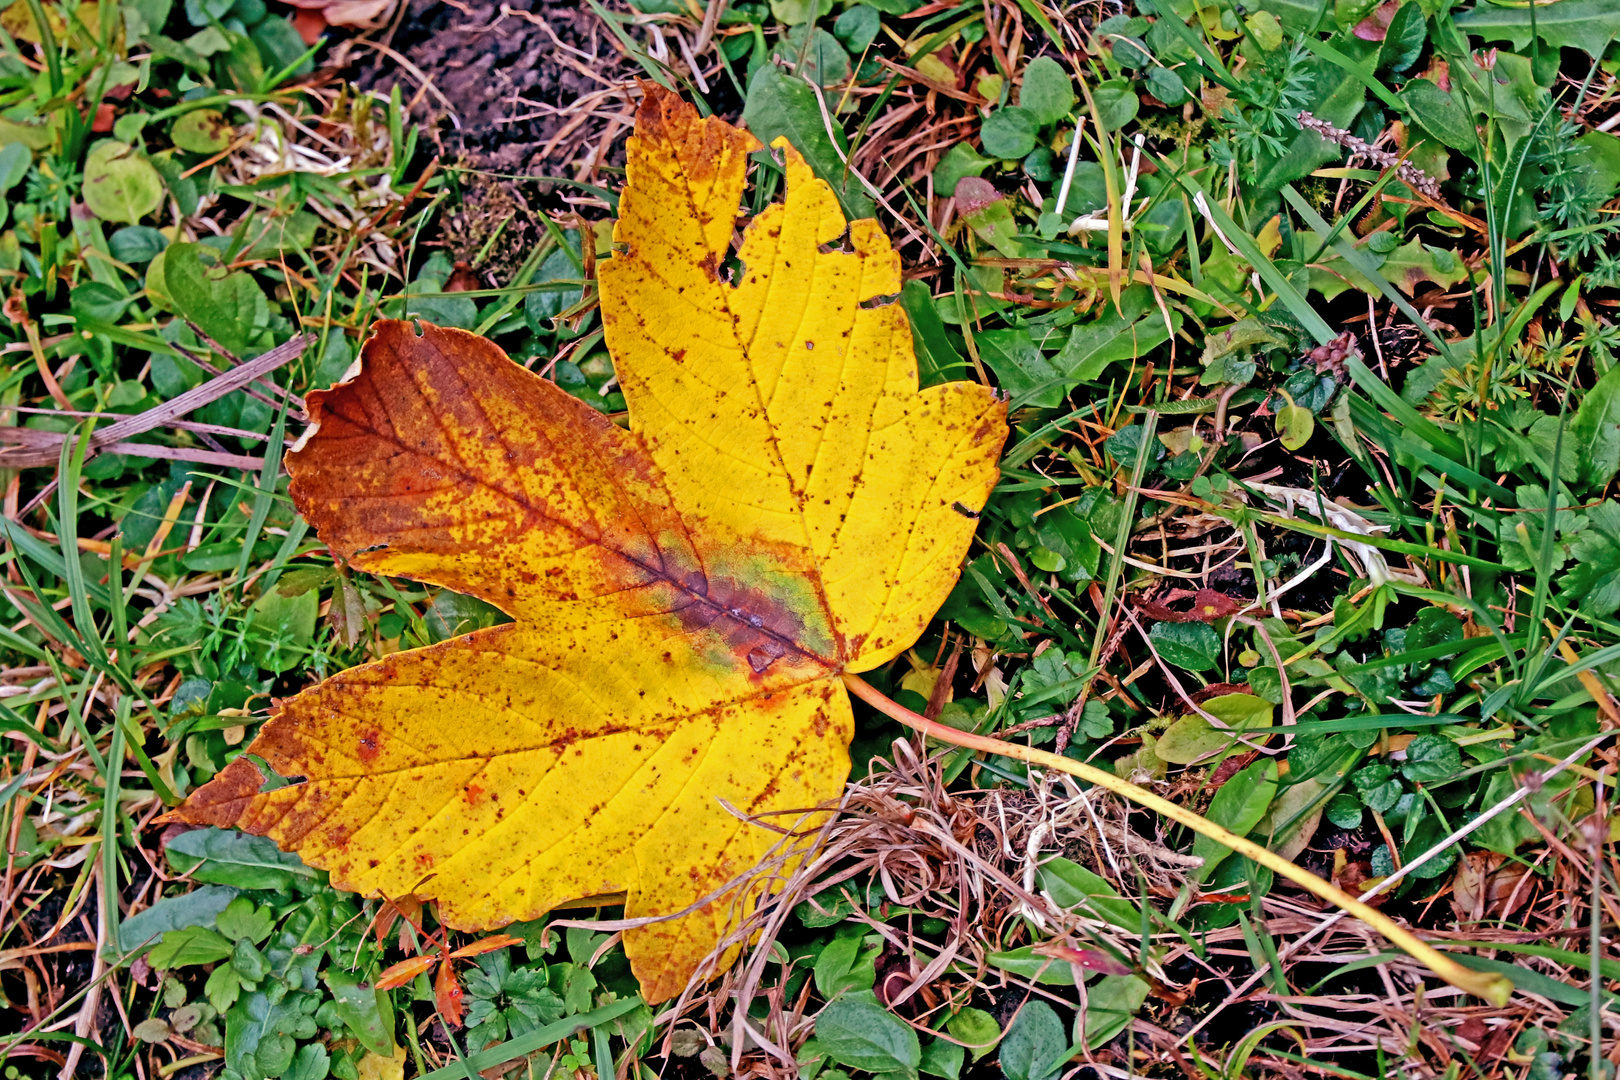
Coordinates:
[786,507]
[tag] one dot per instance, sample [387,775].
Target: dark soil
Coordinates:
[61,973]
[498,72]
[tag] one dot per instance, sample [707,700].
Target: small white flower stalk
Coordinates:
[1097,220]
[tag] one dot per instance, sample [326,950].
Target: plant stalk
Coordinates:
[1496,989]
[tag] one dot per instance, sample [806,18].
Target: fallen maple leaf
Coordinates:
[786,507]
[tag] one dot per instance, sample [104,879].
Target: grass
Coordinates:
[1307,524]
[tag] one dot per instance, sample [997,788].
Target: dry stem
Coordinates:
[1493,988]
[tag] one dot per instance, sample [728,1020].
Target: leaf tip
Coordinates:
[222,801]
[665,117]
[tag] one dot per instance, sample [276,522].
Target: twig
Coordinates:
[1097,221]
[1378,348]
[34,344]
[46,450]
[295,400]
[85,1023]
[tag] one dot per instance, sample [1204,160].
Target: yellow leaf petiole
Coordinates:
[1493,988]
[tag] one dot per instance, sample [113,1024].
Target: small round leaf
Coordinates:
[152,1031]
[1432,759]
[1035,1046]
[202,131]
[1344,811]
[136,244]
[15,158]
[856,28]
[1167,86]
[857,1031]
[1194,646]
[977,1029]
[1295,425]
[1116,103]
[120,184]
[1009,133]
[1047,93]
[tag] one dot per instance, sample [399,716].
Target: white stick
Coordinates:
[1068,172]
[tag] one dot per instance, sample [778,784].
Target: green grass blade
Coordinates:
[67,489]
[111,783]
[1364,266]
[1544,564]
[1122,538]
[1362,73]
[1291,298]
[266,493]
[534,1040]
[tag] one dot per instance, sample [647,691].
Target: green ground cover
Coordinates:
[1306,312]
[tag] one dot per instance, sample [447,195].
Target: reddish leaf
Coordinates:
[1375,26]
[484,945]
[403,972]
[1207,606]
[310,25]
[447,994]
[410,907]
[1090,959]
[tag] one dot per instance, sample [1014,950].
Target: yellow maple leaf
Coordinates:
[786,506]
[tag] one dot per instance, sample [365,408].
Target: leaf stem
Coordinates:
[1493,988]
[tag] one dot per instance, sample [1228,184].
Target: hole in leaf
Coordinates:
[272,779]
[841,243]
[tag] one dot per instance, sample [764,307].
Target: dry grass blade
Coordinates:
[44,447]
